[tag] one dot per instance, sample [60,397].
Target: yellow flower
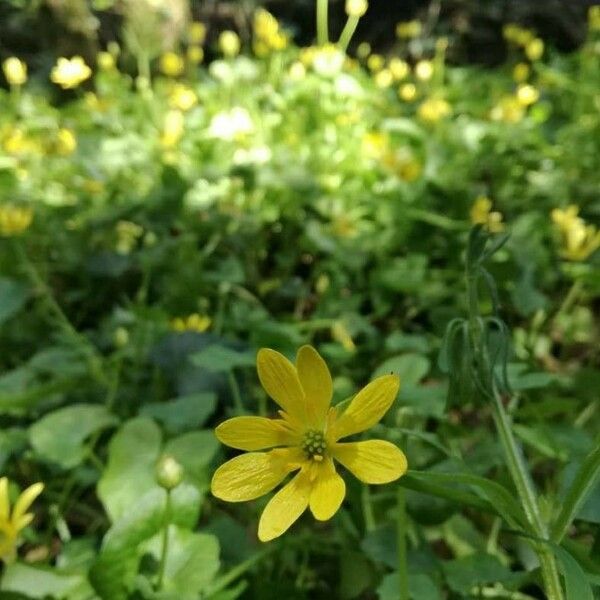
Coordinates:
[384,78]
[171,64]
[66,142]
[408,92]
[195,54]
[15,71]
[482,214]
[434,109]
[424,70]
[356,8]
[534,49]
[196,32]
[267,33]
[306,440]
[14,220]
[399,68]
[594,18]
[374,145]
[11,523]
[69,73]
[527,94]
[340,333]
[193,322]
[173,128]
[578,240]
[229,43]
[508,110]
[521,72]
[105,60]
[128,234]
[375,62]
[183,97]
[409,29]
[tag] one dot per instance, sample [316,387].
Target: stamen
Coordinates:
[314,444]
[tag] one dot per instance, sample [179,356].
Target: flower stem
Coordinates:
[401,523]
[165,543]
[322,22]
[348,32]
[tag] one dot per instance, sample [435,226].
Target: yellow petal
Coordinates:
[252,475]
[285,507]
[279,378]
[255,433]
[368,406]
[372,461]
[4,499]
[25,500]
[316,382]
[328,491]
[23,521]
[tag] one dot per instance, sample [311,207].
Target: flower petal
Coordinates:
[252,475]
[23,521]
[4,499]
[316,383]
[285,507]
[328,491]
[368,406]
[255,433]
[280,379]
[25,500]
[372,461]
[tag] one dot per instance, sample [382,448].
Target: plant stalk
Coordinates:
[165,544]
[401,524]
[348,32]
[322,22]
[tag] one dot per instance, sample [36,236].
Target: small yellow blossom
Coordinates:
[183,98]
[297,71]
[105,60]
[384,78]
[527,94]
[508,110]
[399,68]
[306,440]
[578,240]
[171,64]
[594,18]
[327,60]
[521,72]
[517,35]
[15,71]
[482,214]
[408,92]
[128,233]
[66,142]
[195,54]
[14,219]
[13,522]
[229,43]
[196,33]
[534,49]
[173,128]
[404,165]
[194,322]
[409,29]
[267,33]
[434,109]
[356,8]
[340,333]
[374,145]
[424,70]
[69,73]
[375,62]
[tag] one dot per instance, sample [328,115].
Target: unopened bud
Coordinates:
[169,472]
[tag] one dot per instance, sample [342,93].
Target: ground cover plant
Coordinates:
[300,322]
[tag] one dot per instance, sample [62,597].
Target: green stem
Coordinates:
[165,543]
[348,32]
[570,298]
[322,22]
[367,508]
[401,523]
[235,392]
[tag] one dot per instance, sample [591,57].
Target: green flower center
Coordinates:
[314,444]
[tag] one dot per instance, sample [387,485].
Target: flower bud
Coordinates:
[169,473]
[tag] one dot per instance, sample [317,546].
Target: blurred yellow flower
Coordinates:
[66,142]
[229,43]
[69,73]
[297,71]
[195,54]
[15,71]
[508,110]
[128,233]
[409,29]
[267,33]
[384,78]
[171,64]
[182,97]
[340,333]
[399,68]
[14,219]
[194,322]
[517,34]
[404,165]
[196,33]
[482,214]
[11,523]
[363,50]
[375,62]
[408,92]
[327,60]
[374,145]
[594,18]
[424,70]
[173,128]
[527,94]
[434,109]
[305,439]
[534,49]
[356,8]
[521,72]
[578,240]
[105,60]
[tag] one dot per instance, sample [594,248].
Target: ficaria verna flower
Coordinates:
[306,440]
[15,71]
[14,219]
[12,523]
[69,73]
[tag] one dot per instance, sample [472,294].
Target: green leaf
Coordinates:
[13,296]
[355,575]
[12,441]
[60,435]
[576,582]
[129,474]
[37,582]
[420,587]
[184,413]
[411,368]
[220,359]
[195,451]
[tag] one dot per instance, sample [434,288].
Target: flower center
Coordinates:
[314,444]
